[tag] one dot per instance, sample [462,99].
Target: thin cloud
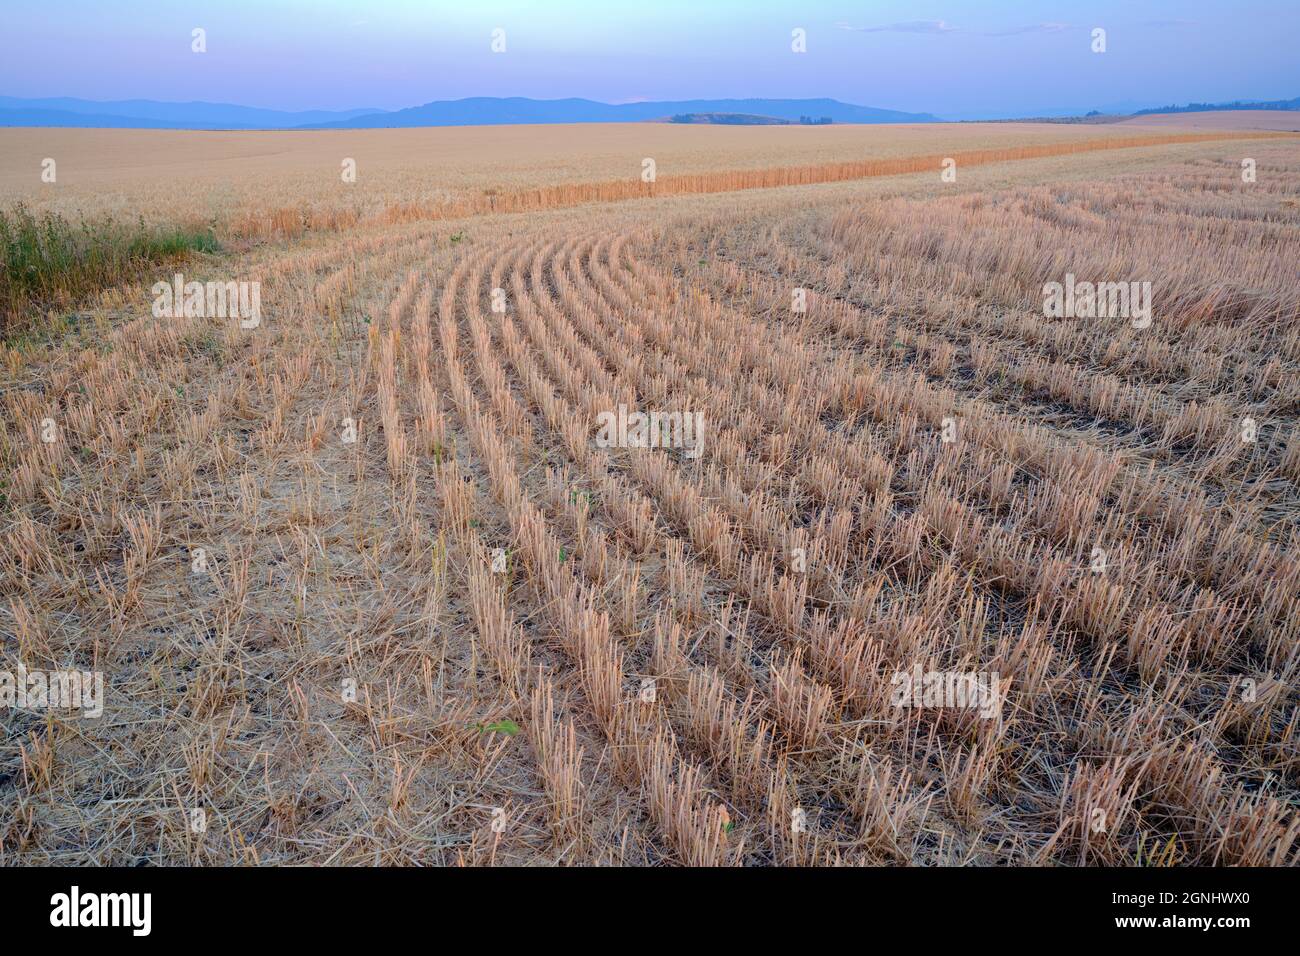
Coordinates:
[935,27]
[1033,28]
[911,26]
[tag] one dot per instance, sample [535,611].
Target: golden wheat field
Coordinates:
[908,570]
[256,185]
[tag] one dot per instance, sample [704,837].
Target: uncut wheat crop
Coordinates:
[909,571]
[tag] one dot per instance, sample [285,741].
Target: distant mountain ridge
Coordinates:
[490,111]
[155,114]
[473,111]
[68,119]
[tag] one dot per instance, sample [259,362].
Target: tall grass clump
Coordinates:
[47,261]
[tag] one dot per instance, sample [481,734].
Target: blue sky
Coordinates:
[954,58]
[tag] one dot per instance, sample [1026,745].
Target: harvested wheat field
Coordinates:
[908,569]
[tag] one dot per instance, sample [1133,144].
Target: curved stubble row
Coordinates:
[680,501]
[710,716]
[427,463]
[511,415]
[713,716]
[640,745]
[748,541]
[452,787]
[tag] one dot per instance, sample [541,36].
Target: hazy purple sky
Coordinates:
[956,59]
